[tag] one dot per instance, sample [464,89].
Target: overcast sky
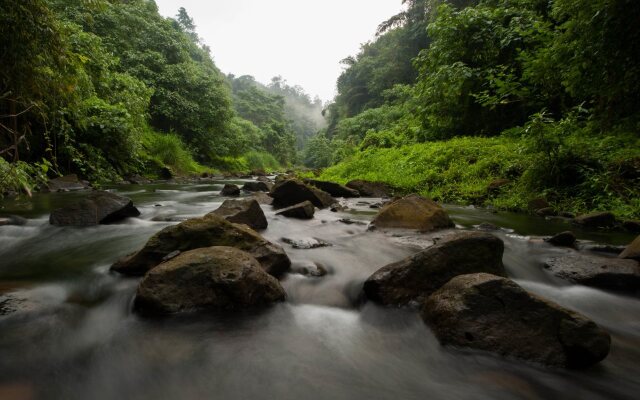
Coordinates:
[301,40]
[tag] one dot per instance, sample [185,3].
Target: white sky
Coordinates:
[301,40]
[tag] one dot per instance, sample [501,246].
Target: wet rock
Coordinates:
[207,231]
[137,179]
[334,189]
[487,226]
[596,220]
[230,190]
[218,278]
[96,208]
[306,243]
[632,251]
[546,212]
[290,192]
[304,210]
[13,220]
[256,186]
[538,203]
[245,211]
[565,239]
[413,212]
[370,189]
[490,313]
[591,270]
[602,248]
[284,177]
[310,269]
[263,179]
[262,198]
[631,226]
[258,172]
[350,221]
[66,183]
[417,276]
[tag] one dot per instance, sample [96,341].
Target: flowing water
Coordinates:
[74,335]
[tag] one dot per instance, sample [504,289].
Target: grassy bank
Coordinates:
[581,175]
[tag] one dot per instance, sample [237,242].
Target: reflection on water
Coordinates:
[74,337]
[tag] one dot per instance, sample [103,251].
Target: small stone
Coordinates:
[566,239]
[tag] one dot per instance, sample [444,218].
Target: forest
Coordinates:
[485,102]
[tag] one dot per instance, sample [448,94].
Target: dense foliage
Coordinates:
[106,88]
[556,84]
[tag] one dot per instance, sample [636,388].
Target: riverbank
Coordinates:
[503,173]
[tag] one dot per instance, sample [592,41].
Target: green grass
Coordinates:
[459,171]
[253,160]
[167,149]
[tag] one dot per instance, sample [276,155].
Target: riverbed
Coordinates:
[69,331]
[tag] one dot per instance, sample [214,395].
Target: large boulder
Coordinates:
[257,186]
[413,212]
[632,251]
[230,190]
[596,220]
[334,189]
[417,276]
[292,191]
[207,231]
[216,278]
[304,210]
[370,189]
[262,198]
[564,239]
[245,211]
[96,208]
[591,270]
[490,313]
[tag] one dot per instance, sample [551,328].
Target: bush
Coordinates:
[168,149]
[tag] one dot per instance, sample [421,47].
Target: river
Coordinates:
[74,335]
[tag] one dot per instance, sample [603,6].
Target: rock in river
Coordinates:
[257,186]
[417,276]
[218,278]
[230,190]
[632,251]
[207,231]
[596,220]
[564,239]
[370,189]
[304,210]
[96,208]
[334,189]
[413,212]
[245,211]
[292,191]
[487,312]
[590,270]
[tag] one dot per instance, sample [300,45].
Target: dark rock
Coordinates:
[306,243]
[263,179]
[632,251]
[310,269]
[97,208]
[631,226]
[66,183]
[596,220]
[230,190]
[370,189]
[137,179]
[590,270]
[566,239]
[258,172]
[284,177]
[490,313]
[334,189]
[546,212]
[350,221]
[538,203]
[166,173]
[417,276]
[13,220]
[304,210]
[337,207]
[486,226]
[257,186]
[218,278]
[262,198]
[245,211]
[413,212]
[566,214]
[292,191]
[207,231]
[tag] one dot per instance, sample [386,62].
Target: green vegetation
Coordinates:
[545,94]
[108,88]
